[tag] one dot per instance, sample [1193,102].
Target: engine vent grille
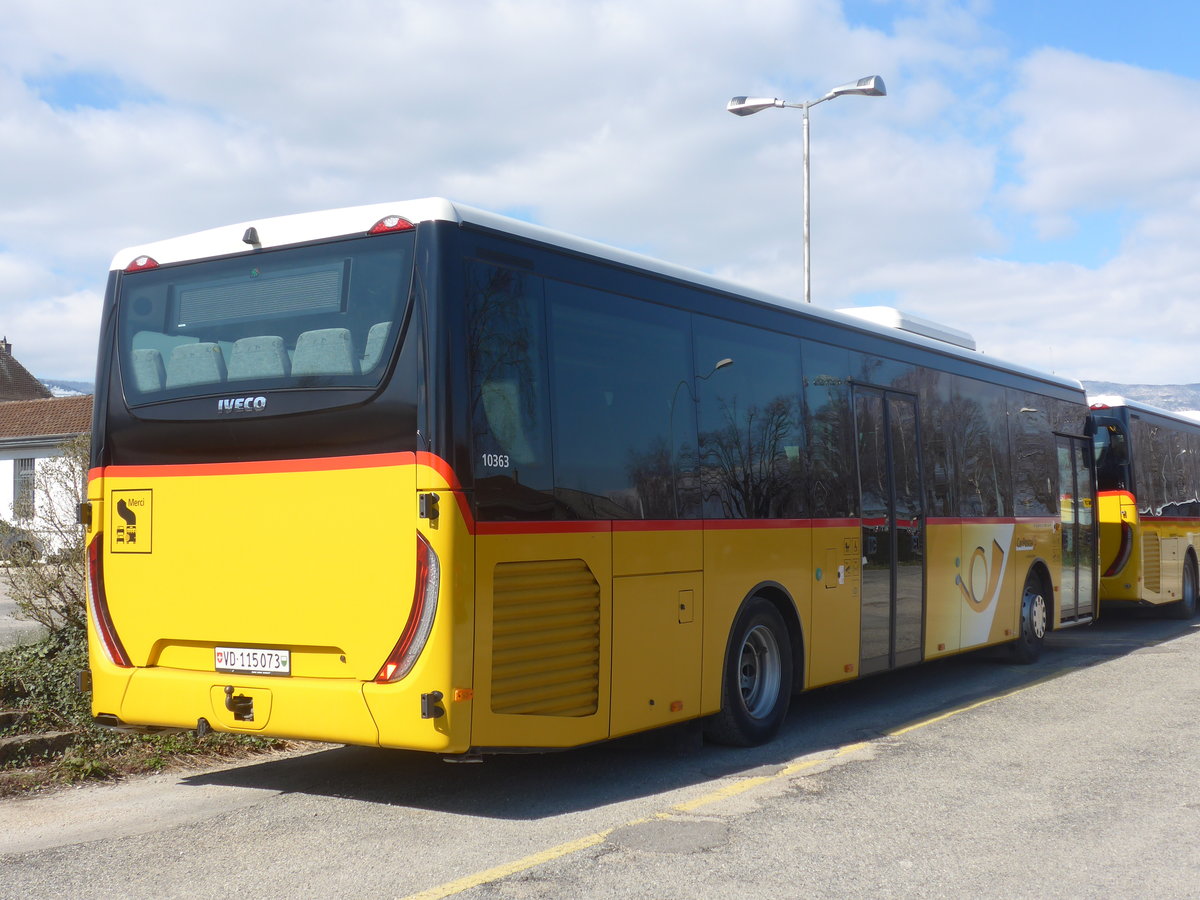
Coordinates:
[545,639]
[1151,562]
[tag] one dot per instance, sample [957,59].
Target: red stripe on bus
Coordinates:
[754,524]
[442,468]
[263,467]
[573,527]
[657,524]
[439,465]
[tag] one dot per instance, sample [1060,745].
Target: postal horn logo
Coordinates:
[982,576]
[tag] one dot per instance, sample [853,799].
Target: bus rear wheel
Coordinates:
[757,678]
[1035,621]
[1185,606]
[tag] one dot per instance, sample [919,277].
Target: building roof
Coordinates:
[51,417]
[15,381]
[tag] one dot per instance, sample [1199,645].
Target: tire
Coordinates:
[1035,621]
[1185,606]
[756,683]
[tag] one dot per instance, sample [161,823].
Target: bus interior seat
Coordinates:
[201,363]
[376,339]
[149,374]
[326,351]
[258,357]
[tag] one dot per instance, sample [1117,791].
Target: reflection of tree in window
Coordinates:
[937,434]
[509,403]
[504,373]
[624,428]
[651,476]
[872,456]
[905,458]
[831,447]
[980,416]
[1035,470]
[1149,467]
[1166,462]
[752,448]
[751,466]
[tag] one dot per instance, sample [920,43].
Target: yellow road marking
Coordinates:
[495,874]
[730,790]
[487,876]
[941,717]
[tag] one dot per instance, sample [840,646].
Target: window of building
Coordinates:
[23,488]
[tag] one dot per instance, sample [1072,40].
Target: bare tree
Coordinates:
[50,587]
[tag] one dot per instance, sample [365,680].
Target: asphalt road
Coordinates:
[1076,777]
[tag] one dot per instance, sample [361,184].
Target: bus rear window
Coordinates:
[324,315]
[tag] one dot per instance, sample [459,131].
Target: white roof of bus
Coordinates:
[1113,400]
[293,229]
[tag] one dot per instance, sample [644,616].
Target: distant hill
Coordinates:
[1175,397]
[60,388]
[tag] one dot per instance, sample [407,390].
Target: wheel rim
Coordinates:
[1037,615]
[759,671]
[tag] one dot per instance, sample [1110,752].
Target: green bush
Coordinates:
[39,681]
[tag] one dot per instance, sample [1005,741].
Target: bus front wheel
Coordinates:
[1035,621]
[756,681]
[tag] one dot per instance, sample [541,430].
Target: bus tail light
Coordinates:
[391,223]
[1123,554]
[98,606]
[142,263]
[420,619]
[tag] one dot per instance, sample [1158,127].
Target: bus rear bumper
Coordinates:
[316,709]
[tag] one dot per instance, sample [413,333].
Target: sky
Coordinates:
[1032,176]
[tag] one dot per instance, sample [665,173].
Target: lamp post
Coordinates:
[871,86]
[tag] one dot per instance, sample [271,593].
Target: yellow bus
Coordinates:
[416,475]
[1148,480]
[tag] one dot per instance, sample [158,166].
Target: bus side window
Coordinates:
[510,417]
[624,417]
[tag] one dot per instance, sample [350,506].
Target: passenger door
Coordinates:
[892,510]
[1077,509]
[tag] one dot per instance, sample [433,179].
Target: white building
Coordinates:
[33,426]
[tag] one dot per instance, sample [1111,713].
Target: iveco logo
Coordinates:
[241,404]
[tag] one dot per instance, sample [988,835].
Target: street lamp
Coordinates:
[871,86]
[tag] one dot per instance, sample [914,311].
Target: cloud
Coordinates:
[49,334]
[119,125]
[1100,135]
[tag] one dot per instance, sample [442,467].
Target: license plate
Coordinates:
[253,660]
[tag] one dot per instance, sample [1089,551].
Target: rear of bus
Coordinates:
[268,532]
[1119,523]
